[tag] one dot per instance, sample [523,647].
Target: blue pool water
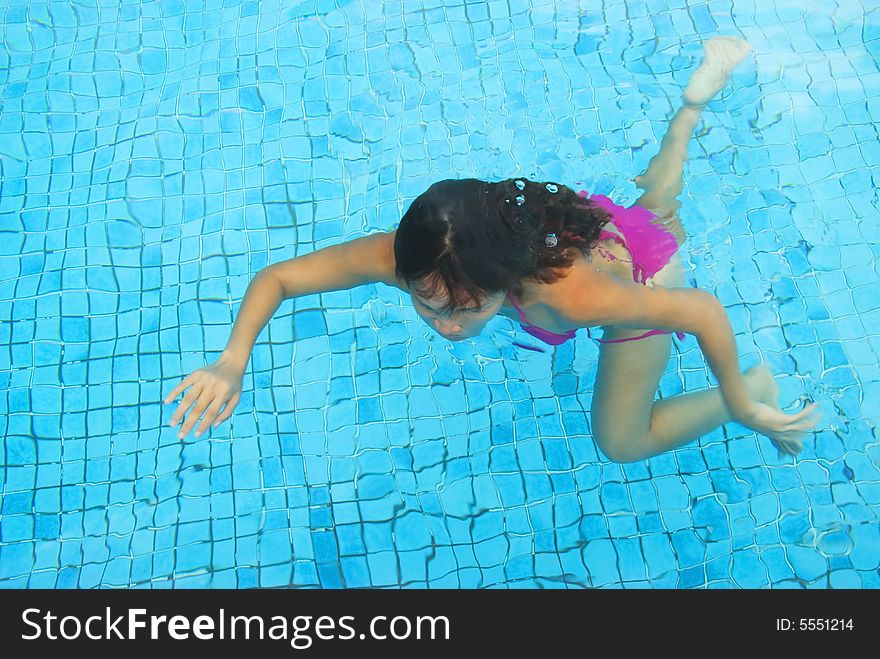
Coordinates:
[154,156]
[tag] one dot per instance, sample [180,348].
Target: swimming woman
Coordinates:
[554,261]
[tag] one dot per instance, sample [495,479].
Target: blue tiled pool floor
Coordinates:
[155,156]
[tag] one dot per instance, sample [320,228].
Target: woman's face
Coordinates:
[457,324]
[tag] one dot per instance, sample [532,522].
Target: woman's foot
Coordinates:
[722,54]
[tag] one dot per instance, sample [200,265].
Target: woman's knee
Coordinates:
[620,448]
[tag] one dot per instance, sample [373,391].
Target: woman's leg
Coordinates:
[662,180]
[628,424]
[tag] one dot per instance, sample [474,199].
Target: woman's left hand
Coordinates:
[786,431]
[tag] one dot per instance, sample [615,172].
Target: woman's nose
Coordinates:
[446,326]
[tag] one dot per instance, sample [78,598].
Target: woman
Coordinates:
[556,261]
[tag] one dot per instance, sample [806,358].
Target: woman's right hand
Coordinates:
[209,388]
[786,431]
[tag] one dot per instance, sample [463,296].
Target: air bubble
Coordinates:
[520,185]
[520,200]
[551,188]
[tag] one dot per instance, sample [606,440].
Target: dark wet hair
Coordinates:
[470,238]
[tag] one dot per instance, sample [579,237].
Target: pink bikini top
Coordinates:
[546,336]
[554,339]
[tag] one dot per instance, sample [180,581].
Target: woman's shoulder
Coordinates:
[582,286]
[385,247]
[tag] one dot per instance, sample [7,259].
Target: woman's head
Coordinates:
[462,244]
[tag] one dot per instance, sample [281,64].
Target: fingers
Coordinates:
[793,435]
[792,449]
[802,421]
[230,406]
[798,427]
[191,396]
[208,392]
[788,449]
[188,380]
[809,409]
[788,445]
[210,415]
[791,440]
[210,408]
[193,417]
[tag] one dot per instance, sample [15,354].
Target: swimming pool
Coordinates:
[155,155]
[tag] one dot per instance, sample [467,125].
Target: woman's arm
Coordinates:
[346,265]
[691,310]
[349,264]
[360,261]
